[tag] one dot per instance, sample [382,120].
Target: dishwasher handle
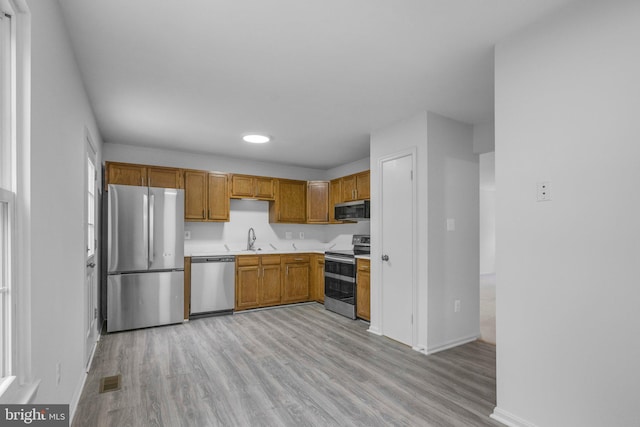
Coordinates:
[197,260]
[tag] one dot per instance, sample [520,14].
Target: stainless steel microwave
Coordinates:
[353,211]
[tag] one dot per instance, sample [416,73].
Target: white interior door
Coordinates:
[91,277]
[398,234]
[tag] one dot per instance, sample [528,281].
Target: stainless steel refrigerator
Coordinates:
[145,273]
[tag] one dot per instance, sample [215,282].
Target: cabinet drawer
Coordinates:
[295,258]
[245,260]
[270,259]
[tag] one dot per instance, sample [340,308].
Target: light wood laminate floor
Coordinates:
[293,366]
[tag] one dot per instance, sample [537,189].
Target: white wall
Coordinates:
[567,103]
[208,237]
[348,168]
[453,262]
[60,112]
[407,134]
[484,135]
[182,159]
[487,213]
[447,187]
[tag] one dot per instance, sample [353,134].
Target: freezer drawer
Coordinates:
[140,300]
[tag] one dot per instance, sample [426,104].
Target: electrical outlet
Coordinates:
[187,235]
[302,235]
[456,306]
[58,373]
[543,191]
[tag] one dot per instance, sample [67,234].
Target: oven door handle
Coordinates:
[340,277]
[340,259]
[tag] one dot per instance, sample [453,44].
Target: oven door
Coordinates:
[340,278]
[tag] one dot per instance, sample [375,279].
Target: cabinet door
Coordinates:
[271,289]
[218,197]
[195,195]
[126,174]
[318,202]
[242,186]
[335,197]
[296,282]
[264,188]
[362,185]
[349,188]
[164,177]
[247,284]
[363,290]
[318,279]
[292,201]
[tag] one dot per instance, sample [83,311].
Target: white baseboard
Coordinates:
[451,344]
[374,330]
[509,419]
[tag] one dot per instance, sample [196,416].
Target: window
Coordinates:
[7,190]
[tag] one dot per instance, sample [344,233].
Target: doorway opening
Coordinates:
[488,248]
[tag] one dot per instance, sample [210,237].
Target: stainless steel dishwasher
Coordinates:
[212,285]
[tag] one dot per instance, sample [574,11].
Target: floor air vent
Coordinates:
[110,383]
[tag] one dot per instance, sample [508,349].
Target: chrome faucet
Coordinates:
[251,239]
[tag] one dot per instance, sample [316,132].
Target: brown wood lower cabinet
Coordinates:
[258,282]
[296,271]
[363,289]
[268,280]
[317,278]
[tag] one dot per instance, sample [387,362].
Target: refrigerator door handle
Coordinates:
[112,230]
[152,203]
[145,225]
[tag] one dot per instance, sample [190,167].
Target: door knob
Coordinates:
[91,264]
[385,257]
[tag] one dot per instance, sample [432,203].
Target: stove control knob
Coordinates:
[385,257]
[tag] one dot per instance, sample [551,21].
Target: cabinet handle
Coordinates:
[298,259]
[287,270]
[142,181]
[203,213]
[209,211]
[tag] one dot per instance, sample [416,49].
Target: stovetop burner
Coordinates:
[361,246]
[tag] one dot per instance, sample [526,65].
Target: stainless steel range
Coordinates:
[340,276]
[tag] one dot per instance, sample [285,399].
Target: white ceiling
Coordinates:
[318,76]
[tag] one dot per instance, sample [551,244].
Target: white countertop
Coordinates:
[256,252]
[363,256]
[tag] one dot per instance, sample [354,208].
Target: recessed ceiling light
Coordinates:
[256,139]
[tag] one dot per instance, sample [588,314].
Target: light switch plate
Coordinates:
[187,235]
[288,235]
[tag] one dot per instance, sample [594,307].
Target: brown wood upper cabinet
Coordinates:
[290,204]
[317,202]
[356,187]
[206,196]
[142,175]
[253,187]
[363,289]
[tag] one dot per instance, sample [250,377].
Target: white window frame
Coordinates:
[19,386]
